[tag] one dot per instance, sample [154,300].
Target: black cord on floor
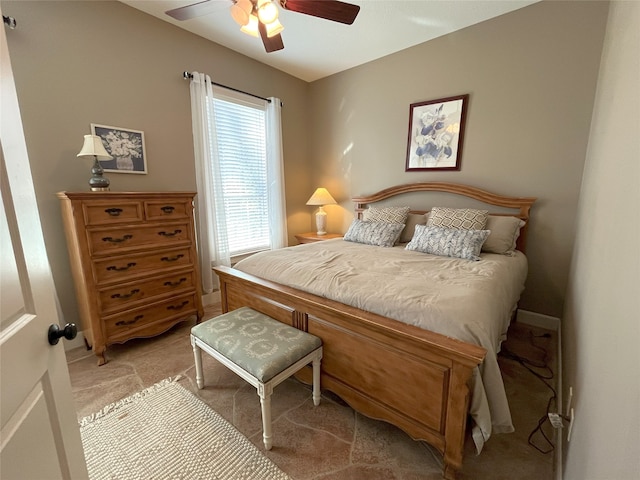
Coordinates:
[548,375]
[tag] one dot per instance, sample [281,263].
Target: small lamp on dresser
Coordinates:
[93,148]
[321,197]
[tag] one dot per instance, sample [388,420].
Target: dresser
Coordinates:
[134,263]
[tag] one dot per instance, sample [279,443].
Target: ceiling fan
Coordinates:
[260,17]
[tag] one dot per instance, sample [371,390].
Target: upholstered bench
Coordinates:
[263,351]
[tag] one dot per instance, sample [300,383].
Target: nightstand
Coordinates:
[314,237]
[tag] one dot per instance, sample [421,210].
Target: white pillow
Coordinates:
[505,230]
[448,242]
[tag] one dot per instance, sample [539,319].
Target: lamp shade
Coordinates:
[240,11]
[93,147]
[321,197]
[251,28]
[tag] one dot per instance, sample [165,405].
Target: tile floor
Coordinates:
[331,441]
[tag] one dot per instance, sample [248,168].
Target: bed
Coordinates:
[409,337]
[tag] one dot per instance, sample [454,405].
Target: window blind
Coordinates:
[241,139]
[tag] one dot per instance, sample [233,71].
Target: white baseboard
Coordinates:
[211,298]
[538,320]
[75,343]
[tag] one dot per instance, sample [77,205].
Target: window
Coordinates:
[241,139]
[237,147]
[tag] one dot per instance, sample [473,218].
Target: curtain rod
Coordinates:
[188,75]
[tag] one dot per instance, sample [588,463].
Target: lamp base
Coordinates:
[321,222]
[97,182]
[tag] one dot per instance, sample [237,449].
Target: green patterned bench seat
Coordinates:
[263,351]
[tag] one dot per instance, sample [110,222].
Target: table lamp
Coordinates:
[93,148]
[321,198]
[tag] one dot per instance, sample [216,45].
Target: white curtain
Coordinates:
[275,175]
[213,245]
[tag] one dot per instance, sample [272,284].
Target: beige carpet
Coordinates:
[165,432]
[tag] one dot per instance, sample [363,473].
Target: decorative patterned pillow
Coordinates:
[374,233]
[448,242]
[504,233]
[413,219]
[458,218]
[386,214]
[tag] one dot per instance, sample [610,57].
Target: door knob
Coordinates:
[69,332]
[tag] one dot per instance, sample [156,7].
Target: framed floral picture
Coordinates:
[126,146]
[436,130]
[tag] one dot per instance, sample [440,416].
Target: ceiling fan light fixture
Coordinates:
[274,28]
[239,15]
[251,28]
[267,11]
[240,11]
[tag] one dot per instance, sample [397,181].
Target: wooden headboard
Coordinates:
[521,204]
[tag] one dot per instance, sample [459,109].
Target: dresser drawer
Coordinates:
[111,212]
[109,240]
[142,320]
[132,294]
[123,269]
[168,210]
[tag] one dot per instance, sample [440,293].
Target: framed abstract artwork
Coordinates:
[126,146]
[436,130]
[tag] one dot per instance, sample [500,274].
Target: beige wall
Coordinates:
[77,63]
[601,327]
[531,76]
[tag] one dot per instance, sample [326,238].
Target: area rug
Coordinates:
[165,432]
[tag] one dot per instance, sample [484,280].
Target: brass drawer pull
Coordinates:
[172,259]
[126,295]
[178,307]
[168,234]
[117,240]
[120,269]
[175,284]
[114,212]
[129,322]
[167,209]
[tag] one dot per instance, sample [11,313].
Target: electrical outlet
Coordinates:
[555,419]
[569,400]
[572,417]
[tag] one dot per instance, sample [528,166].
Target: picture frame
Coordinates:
[436,132]
[125,145]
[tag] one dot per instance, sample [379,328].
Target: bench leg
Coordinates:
[265,392]
[197,355]
[316,381]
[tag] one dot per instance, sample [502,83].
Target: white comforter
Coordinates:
[463,299]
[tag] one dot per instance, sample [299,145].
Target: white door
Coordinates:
[39,436]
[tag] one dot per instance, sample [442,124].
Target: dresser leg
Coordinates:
[100,354]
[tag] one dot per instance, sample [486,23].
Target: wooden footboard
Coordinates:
[410,377]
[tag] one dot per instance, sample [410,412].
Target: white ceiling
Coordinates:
[316,48]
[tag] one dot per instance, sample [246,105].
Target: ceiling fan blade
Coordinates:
[197,9]
[328,9]
[271,44]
